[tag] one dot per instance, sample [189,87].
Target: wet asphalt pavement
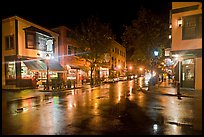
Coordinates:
[115,108]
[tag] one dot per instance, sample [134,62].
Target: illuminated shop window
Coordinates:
[25,72]
[11,71]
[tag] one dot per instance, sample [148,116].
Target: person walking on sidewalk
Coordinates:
[82,79]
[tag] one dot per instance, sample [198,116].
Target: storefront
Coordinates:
[25,71]
[76,73]
[187,68]
[188,73]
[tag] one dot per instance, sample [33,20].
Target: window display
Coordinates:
[11,73]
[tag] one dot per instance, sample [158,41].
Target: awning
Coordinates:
[41,65]
[190,53]
[33,65]
[55,66]
[84,68]
[74,67]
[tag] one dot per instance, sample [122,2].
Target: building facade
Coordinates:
[186,44]
[118,59]
[76,68]
[25,46]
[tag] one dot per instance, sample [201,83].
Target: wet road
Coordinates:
[116,108]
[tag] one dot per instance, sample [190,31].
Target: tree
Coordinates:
[94,38]
[146,33]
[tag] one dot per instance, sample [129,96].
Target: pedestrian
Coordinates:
[82,79]
[169,77]
[34,82]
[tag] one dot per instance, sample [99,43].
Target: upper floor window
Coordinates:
[75,51]
[9,42]
[113,49]
[192,27]
[38,39]
[69,50]
[30,40]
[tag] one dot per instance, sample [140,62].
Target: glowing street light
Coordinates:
[140,69]
[156,53]
[130,67]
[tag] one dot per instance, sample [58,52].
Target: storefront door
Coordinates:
[188,73]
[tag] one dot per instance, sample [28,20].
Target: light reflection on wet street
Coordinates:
[116,108]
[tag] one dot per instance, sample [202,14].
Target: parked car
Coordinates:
[122,78]
[129,77]
[116,79]
[135,76]
[108,80]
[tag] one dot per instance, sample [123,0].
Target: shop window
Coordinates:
[25,72]
[188,72]
[11,71]
[9,42]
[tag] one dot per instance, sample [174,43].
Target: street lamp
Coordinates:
[156,53]
[47,81]
[154,63]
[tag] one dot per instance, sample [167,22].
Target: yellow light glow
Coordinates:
[140,69]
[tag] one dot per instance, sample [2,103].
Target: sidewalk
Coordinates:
[167,88]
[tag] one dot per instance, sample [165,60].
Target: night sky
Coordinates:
[50,14]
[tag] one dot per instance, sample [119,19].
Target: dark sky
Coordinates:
[69,12]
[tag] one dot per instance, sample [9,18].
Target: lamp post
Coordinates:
[156,53]
[47,81]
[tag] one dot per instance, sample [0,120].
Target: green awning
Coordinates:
[41,65]
[33,65]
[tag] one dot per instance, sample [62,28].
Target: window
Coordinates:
[192,27]
[9,42]
[75,51]
[30,40]
[43,42]
[69,50]
[11,71]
